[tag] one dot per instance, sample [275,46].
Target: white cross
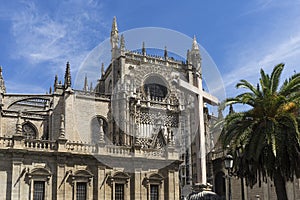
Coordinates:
[210,99]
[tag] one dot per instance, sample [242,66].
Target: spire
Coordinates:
[2,85]
[166,53]
[143,49]
[102,71]
[55,81]
[67,76]
[188,56]
[195,44]
[194,57]
[85,87]
[114,34]
[114,27]
[91,87]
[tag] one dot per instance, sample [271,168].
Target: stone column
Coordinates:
[16,183]
[138,184]
[102,178]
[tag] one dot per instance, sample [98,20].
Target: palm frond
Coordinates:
[245,84]
[275,77]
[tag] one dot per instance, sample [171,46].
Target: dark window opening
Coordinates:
[38,190]
[155,87]
[119,191]
[154,192]
[81,191]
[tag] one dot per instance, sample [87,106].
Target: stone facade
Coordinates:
[127,138]
[240,191]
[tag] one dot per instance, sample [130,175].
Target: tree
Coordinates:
[266,135]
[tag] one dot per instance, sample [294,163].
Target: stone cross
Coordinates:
[210,99]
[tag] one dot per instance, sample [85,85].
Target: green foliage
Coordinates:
[266,136]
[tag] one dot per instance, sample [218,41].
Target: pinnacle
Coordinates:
[195,44]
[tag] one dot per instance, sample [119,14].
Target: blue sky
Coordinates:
[37,38]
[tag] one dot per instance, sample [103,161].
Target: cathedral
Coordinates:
[135,135]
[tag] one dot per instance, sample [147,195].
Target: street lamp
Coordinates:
[239,153]
[228,161]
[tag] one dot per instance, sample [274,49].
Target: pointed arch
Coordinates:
[29,130]
[95,126]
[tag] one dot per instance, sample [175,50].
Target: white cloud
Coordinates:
[274,46]
[58,37]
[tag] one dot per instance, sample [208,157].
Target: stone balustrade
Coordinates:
[6,142]
[118,150]
[79,147]
[40,145]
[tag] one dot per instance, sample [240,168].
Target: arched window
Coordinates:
[29,131]
[38,179]
[155,86]
[98,124]
[119,183]
[82,182]
[154,183]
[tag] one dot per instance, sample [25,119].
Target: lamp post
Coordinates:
[239,155]
[228,161]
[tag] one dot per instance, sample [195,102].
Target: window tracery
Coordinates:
[29,131]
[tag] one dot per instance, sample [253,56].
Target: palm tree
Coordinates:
[267,134]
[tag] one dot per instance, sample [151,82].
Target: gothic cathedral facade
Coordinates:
[128,138]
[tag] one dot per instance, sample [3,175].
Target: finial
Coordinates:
[102,71]
[50,90]
[114,39]
[2,84]
[101,131]
[166,53]
[122,43]
[188,56]
[91,87]
[68,76]
[19,125]
[85,87]
[114,27]
[195,44]
[62,126]
[143,49]
[55,81]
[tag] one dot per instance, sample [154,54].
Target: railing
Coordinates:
[6,142]
[80,147]
[153,153]
[44,145]
[118,150]
[135,55]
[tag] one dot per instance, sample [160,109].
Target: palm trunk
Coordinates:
[280,188]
